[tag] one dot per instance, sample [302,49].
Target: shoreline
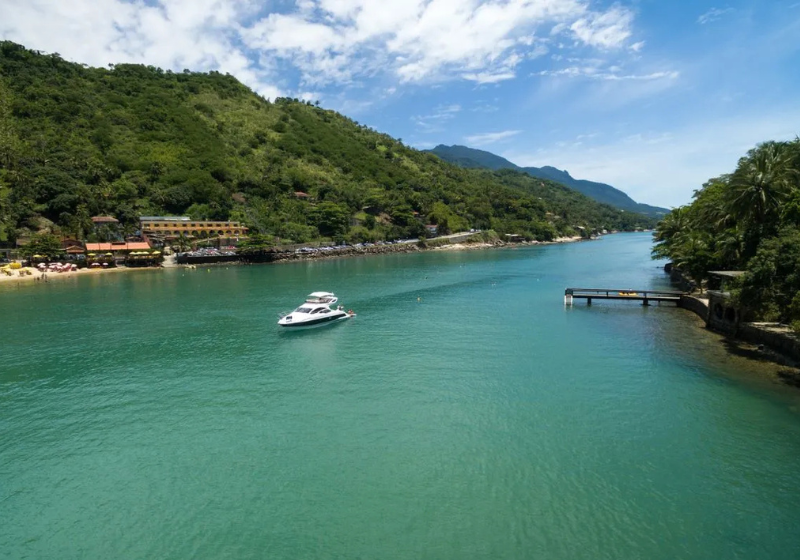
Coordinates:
[351,251]
[759,342]
[37,276]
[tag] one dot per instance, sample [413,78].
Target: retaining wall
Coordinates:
[777,337]
[696,305]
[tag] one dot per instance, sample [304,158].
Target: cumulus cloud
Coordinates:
[486,138]
[174,34]
[319,42]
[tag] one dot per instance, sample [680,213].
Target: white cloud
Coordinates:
[173,34]
[664,167]
[713,14]
[613,73]
[328,41]
[486,138]
[607,29]
[488,77]
[435,121]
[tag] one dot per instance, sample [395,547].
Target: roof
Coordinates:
[131,246]
[164,219]
[726,273]
[74,249]
[300,194]
[320,294]
[104,220]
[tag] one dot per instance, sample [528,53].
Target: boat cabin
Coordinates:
[313,309]
[321,297]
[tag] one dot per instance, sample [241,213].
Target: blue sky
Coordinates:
[651,96]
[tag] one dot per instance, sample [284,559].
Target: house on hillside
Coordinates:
[106,228]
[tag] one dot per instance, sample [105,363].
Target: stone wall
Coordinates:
[779,338]
[696,305]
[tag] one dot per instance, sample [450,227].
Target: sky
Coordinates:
[651,96]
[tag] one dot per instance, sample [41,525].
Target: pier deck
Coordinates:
[644,296]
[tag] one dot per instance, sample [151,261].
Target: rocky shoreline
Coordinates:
[352,251]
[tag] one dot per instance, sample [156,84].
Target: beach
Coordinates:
[32,275]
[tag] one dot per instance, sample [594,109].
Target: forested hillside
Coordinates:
[747,220]
[601,192]
[130,140]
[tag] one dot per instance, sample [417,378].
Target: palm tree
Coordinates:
[182,243]
[761,182]
[669,230]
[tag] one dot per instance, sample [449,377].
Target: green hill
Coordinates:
[472,158]
[131,140]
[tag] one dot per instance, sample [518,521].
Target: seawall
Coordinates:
[783,344]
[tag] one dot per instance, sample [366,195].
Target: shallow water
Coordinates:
[464,413]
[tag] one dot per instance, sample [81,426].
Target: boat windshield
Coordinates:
[302,310]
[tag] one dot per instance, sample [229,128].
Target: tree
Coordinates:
[331,219]
[44,244]
[762,181]
[182,243]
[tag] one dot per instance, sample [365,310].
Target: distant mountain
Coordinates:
[472,158]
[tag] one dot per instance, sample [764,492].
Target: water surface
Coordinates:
[464,413]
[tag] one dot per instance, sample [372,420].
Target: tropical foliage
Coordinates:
[131,140]
[747,220]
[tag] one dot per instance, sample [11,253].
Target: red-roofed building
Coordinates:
[121,248]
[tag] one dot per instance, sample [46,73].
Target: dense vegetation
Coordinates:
[132,140]
[601,192]
[747,220]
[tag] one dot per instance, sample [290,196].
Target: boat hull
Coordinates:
[316,322]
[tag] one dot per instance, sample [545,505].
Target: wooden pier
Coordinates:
[644,296]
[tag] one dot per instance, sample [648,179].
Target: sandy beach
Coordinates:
[36,275]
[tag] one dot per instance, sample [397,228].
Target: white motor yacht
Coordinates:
[316,311]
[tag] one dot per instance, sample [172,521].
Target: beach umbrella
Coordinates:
[109,254]
[156,252]
[37,256]
[91,254]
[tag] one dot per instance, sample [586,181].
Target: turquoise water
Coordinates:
[464,413]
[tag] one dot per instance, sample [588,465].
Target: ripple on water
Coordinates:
[463,413]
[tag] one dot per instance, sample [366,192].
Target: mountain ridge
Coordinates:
[473,158]
[132,140]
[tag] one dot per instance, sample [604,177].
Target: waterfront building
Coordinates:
[171,227]
[117,249]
